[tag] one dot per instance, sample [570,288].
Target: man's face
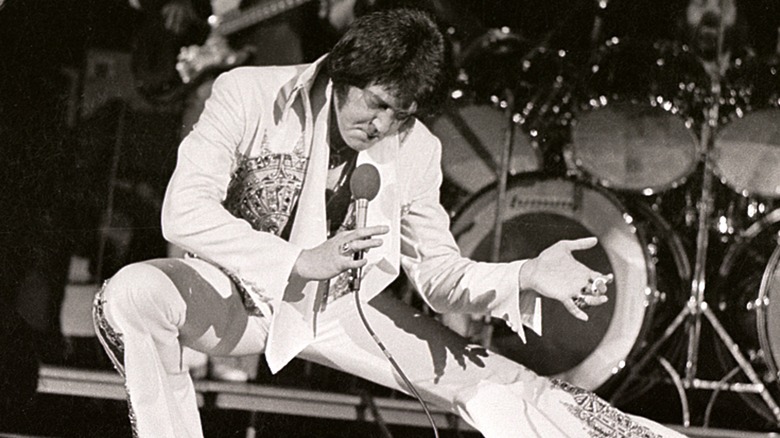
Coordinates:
[366,116]
[707,21]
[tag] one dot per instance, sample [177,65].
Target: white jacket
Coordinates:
[260,110]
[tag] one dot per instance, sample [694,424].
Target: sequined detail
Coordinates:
[108,337]
[252,296]
[602,420]
[264,190]
[114,346]
[340,285]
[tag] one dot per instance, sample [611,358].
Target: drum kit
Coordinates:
[675,171]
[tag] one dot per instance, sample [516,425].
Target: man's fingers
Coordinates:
[580,244]
[354,264]
[585,302]
[375,230]
[365,244]
[595,300]
[574,310]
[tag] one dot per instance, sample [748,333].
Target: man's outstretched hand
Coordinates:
[556,274]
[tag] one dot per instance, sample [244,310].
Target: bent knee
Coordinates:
[141,292]
[134,281]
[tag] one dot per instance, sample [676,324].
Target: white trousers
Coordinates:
[159,306]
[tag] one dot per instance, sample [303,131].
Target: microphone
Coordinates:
[364,185]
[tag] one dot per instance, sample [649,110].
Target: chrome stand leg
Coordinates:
[678,383]
[743,363]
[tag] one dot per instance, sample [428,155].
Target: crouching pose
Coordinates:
[261,199]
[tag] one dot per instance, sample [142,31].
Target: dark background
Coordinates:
[59,127]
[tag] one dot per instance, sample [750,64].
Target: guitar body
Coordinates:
[154,58]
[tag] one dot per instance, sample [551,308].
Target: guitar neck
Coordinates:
[242,19]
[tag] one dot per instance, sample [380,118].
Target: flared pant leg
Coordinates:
[499,397]
[160,305]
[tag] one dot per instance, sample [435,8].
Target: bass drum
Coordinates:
[749,301]
[643,253]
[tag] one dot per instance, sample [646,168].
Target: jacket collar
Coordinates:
[303,81]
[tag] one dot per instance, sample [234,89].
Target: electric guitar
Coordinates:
[166,77]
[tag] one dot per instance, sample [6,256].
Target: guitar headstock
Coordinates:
[215,55]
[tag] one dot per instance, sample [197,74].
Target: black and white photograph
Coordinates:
[390,218]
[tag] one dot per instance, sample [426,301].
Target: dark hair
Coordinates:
[401,49]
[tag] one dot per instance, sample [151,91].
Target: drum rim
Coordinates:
[772,356]
[761,317]
[651,287]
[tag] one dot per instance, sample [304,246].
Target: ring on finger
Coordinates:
[598,286]
[346,248]
[579,301]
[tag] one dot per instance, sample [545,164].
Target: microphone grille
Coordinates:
[364,183]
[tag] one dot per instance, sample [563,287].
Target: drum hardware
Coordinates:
[494,62]
[690,317]
[747,287]
[504,86]
[507,102]
[502,174]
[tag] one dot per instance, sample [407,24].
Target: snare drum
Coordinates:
[749,300]
[643,253]
[635,127]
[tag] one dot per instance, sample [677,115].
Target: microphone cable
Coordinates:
[395,365]
[364,185]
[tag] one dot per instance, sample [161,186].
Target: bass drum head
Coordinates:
[539,212]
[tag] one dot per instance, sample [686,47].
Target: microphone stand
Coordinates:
[503,174]
[485,332]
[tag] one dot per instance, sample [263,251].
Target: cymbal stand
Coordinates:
[690,317]
[502,174]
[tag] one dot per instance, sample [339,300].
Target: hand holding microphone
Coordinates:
[364,185]
[346,250]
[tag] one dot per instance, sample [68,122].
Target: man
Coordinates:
[260,196]
[711,27]
[279,40]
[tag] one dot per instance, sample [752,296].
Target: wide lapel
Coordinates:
[383,262]
[294,321]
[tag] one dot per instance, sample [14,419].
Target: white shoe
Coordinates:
[227,373]
[196,362]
